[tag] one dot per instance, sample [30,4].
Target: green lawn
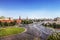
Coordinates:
[10,31]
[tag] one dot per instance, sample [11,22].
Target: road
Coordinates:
[39,31]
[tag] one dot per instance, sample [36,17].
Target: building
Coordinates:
[57,20]
[10,20]
[18,20]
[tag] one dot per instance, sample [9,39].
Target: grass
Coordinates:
[10,31]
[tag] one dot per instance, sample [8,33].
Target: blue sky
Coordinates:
[30,8]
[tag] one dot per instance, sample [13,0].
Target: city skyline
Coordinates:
[30,8]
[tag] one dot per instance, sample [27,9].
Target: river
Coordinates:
[39,31]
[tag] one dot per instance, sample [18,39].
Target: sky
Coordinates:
[30,8]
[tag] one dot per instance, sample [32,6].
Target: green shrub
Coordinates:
[7,23]
[1,24]
[26,21]
[54,36]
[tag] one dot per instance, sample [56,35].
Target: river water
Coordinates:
[37,30]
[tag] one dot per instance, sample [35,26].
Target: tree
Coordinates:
[54,36]
[54,25]
[6,24]
[26,21]
[0,23]
[13,23]
[2,17]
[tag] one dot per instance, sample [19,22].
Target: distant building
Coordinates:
[10,20]
[18,20]
[6,20]
[57,20]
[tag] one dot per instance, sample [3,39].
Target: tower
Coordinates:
[19,18]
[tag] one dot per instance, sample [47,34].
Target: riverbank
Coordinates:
[57,30]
